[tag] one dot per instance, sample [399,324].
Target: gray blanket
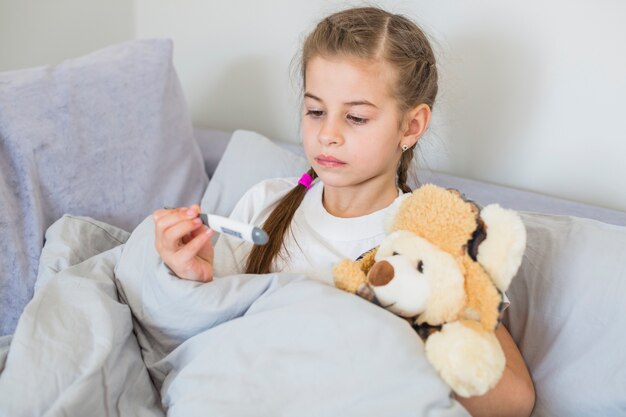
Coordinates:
[116,334]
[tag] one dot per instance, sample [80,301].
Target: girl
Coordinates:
[370,83]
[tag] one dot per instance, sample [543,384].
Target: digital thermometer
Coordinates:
[233,228]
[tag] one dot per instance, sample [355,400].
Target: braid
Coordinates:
[276,226]
[403,168]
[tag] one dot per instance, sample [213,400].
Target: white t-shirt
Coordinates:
[317,240]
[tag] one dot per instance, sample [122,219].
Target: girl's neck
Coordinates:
[359,200]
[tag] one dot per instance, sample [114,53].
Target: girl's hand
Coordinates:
[184,243]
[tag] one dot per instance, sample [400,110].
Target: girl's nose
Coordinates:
[330,134]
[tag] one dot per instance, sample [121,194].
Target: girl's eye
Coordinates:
[315,113]
[357,120]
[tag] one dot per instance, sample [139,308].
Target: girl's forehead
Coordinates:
[333,77]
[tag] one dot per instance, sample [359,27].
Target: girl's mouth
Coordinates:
[329,161]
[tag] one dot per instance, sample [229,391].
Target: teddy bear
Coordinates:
[444,265]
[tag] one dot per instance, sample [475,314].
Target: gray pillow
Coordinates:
[106,136]
[568,315]
[212,144]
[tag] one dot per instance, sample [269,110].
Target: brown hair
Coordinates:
[367,33]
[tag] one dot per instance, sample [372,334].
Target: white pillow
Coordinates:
[249,158]
[568,315]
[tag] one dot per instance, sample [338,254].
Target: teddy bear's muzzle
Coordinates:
[381,273]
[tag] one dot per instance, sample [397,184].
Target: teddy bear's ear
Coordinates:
[501,251]
[440,216]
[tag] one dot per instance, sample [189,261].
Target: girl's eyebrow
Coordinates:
[349,103]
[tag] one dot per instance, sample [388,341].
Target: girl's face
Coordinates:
[351,123]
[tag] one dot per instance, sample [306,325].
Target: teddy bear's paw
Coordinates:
[349,276]
[469,360]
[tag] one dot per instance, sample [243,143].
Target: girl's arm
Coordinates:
[514,395]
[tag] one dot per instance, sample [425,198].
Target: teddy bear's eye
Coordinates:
[420,267]
[395,253]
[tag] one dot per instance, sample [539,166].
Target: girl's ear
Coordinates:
[417,122]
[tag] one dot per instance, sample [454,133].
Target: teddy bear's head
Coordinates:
[412,277]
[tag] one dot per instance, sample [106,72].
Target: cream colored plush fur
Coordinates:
[444,264]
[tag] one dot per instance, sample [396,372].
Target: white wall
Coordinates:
[35,32]
[531,92]
[233,58]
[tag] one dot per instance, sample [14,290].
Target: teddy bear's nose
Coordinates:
[380,274]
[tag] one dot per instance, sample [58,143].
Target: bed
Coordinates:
[94,324]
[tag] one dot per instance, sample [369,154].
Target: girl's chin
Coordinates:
[338,180]
[333,180]
[344,179]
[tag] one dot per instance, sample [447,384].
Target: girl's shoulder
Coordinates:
[271,188]
[258,201]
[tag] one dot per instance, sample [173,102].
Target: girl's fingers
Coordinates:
[180,233]
[196,232]
[206,251]
[171,217]
[188,252]
[164,219]
[160,213]
[183,243]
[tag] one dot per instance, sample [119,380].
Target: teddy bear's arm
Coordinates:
[502,251]
[349,276]
[367,260]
